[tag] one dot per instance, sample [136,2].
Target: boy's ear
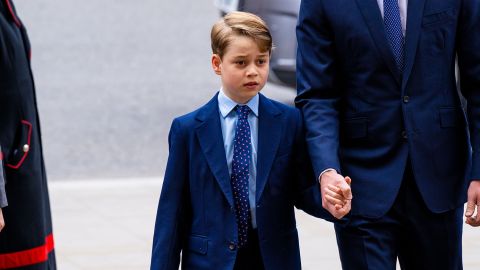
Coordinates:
[216,64]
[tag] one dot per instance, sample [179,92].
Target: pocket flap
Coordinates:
[197,243]
[448,117]
[20,152]
[438,17]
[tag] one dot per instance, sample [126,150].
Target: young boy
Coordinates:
[233,173]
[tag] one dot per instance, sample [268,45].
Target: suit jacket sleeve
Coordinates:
[317,96]
[308,196]
[468,44]
[172,210]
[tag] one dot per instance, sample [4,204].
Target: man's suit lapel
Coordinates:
[269,133]
[209,133]
[414,20]
[373,18]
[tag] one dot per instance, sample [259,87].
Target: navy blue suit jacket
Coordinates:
[367,120]
[195,213]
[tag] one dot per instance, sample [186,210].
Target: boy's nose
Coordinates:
[252,71]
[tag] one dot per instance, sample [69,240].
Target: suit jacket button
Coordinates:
[231,246]
[26,148]
[404,135]
[406,99]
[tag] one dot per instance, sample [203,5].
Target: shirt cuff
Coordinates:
[324,171]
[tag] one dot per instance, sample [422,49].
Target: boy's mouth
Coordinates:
[251,84]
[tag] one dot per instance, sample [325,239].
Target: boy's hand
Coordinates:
[336,193]
[2,222]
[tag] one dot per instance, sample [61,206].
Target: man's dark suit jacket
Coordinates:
[366,119]
[195,213]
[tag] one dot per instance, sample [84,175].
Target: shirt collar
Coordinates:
[226,105]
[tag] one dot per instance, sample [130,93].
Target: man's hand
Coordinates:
[336,193]
[473,203]
[2,221]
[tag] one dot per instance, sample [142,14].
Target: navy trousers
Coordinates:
[421,240]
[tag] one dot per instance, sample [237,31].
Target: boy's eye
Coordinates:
[240,62]
[262,61]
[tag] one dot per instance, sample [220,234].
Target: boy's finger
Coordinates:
[347,206]
[343,211]
[335,195]
[333,188]
[333,200]
[348,180]
[346,190]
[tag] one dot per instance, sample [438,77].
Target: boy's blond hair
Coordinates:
[240,24]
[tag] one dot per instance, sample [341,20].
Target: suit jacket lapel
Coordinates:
[373,18]
[209,133]
[269,133]
[414,20]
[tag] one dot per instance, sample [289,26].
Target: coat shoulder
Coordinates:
[192,119]
[186,121]
[289,112]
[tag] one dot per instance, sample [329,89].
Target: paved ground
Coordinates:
[108,225]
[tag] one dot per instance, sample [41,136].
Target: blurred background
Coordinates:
[110,76]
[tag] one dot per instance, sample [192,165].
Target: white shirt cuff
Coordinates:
[324,171]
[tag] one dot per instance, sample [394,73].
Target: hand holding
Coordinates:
[473,203]
[336,193]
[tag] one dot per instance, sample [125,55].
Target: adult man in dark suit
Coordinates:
[26,242]
[376,85]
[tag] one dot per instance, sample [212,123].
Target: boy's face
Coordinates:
[243,69]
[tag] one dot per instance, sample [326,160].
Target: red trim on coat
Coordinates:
[27,257]
[14,16]
[25,154]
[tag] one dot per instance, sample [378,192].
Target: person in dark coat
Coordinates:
[26,241]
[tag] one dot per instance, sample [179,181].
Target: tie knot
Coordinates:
[243,111]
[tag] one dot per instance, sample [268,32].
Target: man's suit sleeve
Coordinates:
[308,196]
[173,205]
[468,44]
[317,97]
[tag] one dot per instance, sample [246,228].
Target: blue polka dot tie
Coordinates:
[240,173]
[393,29]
